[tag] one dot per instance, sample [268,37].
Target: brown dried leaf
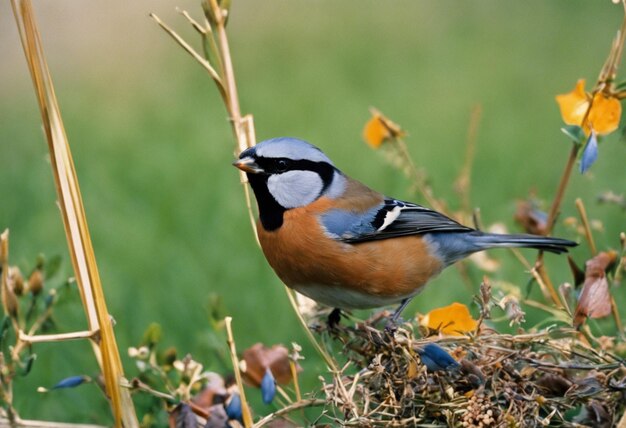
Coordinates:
[259,357]
[530,218]
[595,299]
[213,393]
[578,273]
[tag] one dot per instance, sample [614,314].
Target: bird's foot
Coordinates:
[334,318]
[392,324]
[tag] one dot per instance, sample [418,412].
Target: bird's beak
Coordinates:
[248,164]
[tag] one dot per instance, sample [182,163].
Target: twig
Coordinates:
[323,353]
[247,417]
[549,292]
[60,337]
[26,423]
[203,62]
[585,221]
[462,183]
[312,402]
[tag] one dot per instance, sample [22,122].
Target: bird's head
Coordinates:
[289,173]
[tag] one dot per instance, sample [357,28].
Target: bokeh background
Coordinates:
[153,148]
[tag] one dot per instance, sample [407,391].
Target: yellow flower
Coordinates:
[452,320]
[380,129]
[603,117]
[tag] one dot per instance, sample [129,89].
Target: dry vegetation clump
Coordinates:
[549,377]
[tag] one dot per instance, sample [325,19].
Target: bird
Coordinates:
[342,244]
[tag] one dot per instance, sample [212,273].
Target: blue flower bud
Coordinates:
[233,408]
[435,358]
[268,387]
[71,382]
[590,153]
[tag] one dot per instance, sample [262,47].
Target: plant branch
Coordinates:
[312,402]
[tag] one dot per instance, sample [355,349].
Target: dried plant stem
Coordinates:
[560,192]
[296,381]
[242,125]
[330,362]
[203,62]
[418,179]
[24,423]
[463,182]
[546,287]
[300,404]
[552,215]
[247,417]
[74,219]
[580,206]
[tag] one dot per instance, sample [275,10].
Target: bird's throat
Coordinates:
[270,212]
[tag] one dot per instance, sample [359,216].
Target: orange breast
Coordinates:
[302,255]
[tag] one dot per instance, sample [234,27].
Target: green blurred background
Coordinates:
[153,148]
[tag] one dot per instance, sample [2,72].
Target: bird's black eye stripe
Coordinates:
[282,165]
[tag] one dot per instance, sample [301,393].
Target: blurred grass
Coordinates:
[153,148]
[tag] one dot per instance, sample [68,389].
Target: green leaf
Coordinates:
[5,326]
[28,364]
[152,335]
[621,86]
[575,133]
[52,266]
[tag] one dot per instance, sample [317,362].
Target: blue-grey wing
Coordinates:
[390,219]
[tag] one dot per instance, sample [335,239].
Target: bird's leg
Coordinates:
[333,318]
[393,321]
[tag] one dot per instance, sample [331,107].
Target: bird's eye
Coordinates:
[281,165]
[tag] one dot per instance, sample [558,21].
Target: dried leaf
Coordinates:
[484,262]
[217,417]
[595,299]
[578,273]
[532,219]
[183,417]
[213,393]
[259,358]
[453,320]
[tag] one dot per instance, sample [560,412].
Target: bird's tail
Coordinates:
[543,243]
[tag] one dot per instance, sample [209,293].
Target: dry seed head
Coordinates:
[12,306]
[35,282]
[17,280]
[4,247]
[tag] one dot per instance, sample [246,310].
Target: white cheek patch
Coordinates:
[390,217]
[294,189]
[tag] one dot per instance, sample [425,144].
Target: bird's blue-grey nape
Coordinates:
[291,148]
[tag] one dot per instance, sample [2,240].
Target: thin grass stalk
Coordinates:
[463,182]
[245,409]
[580,206]
[26,423]
[74,219]
[243,128]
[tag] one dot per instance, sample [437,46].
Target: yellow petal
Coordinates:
[574,104]
[453,320]
[375,132]
[605,114]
